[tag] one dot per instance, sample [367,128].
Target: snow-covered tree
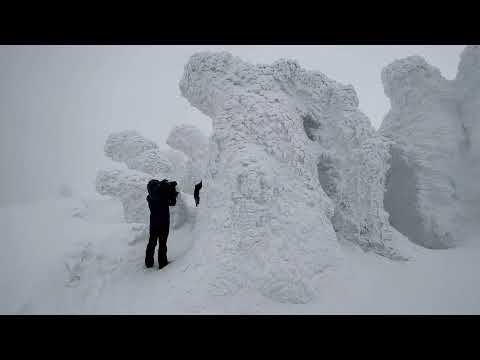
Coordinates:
[293,167]
[145,161]
[435,162]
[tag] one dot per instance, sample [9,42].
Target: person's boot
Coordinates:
[149,261]
[149,257]
[162,261]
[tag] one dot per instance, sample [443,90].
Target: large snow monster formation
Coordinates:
[294,169]
[432,188]
[144,161]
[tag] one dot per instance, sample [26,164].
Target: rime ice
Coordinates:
[432,192]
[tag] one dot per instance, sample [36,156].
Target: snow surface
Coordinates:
[130,187]
[142,154]
[64,264]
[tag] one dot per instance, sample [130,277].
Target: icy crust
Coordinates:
[432,122]
[267,217]
[130,188]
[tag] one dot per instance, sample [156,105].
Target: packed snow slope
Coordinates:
[78,256]
[432,194]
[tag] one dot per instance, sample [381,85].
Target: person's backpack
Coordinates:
[164,189]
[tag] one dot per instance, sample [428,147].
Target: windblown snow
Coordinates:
[305,208]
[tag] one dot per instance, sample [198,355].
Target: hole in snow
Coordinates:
[326,176]
[310,126]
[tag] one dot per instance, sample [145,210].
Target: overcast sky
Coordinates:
[59,103]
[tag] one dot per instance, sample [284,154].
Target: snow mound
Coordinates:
[430,192]
[290,155]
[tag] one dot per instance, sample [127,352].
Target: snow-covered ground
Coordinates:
[77,256]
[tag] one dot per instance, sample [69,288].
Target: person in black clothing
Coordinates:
[196,193]
[161,195]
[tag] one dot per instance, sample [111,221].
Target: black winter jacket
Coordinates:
[159,212]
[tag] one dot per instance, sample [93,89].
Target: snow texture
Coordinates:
[130,187]
[194,144]
[292,164]
[142,154]
[293,171]
[145,161]
[433,125]
[128,144]
[292,186]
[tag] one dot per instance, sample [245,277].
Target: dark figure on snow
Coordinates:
[196,193]
[161,195]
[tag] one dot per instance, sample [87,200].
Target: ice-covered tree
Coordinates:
[434,126]
[145,161]
[293,167]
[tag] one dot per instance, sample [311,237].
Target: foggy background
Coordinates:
[59,103]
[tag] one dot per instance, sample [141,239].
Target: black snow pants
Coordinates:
[161,234]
